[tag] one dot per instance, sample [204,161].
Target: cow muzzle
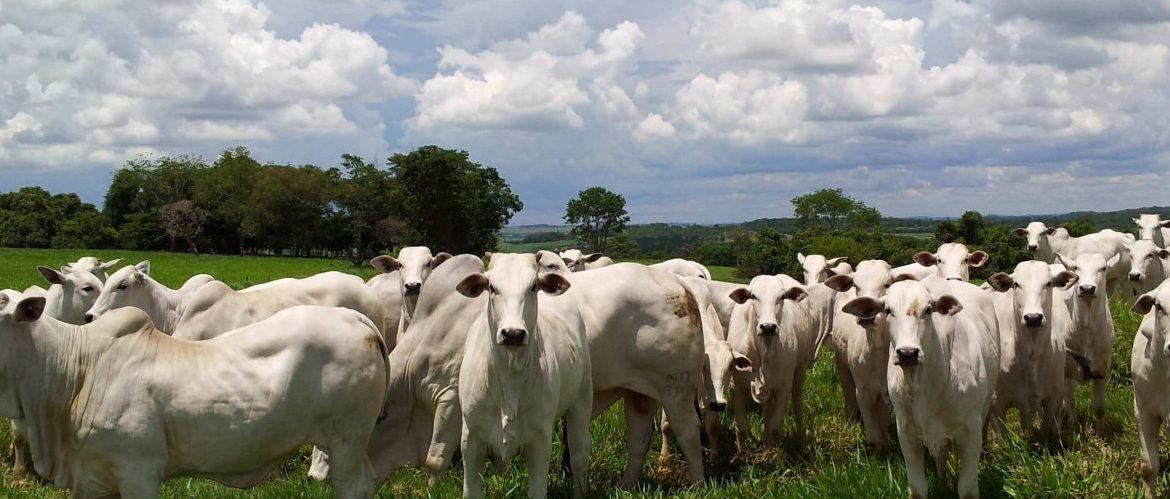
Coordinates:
[717,406]
[1033,320]
[1135,277]
[866,321]
[769,329]
[89,318]
[1088,290]
[412,288]
[907,356]
[1033,247]
[513,337]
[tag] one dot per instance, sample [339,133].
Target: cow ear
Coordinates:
[840,283]
[863,307]
[29,309]
[925,259]
[978,258]
[741,295]
[439,259]
[110,264]
[1019,232]
[1112,262]
[904,277]
[593,257]
[1068,263]
[835,261]
[741,363]
[568,261]
[487,257]
[1165,224]
[143,266]
[800,258]
[1143,305]
[385,264]
[51,275]
[554,284]
[1001,282]
[1051,230]
[795,293]
[1065,280]
[1136,221]
[947,305]
[472,285]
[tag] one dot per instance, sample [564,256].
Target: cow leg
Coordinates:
[798,403]
[685,421]
[639,429]
[445,437]
[577,428]
[1099,405]
[875,420]
[664,454]
[319,465]
[941,455]
[848,387]
[915,456]
[711,428]
[138,481]
[775,410]
[536,455]
[739,405]
[969,450]
[19,449]
[1050,425]
[474,453]
[349,467]
[1148,427]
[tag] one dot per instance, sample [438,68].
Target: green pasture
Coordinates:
[831,463]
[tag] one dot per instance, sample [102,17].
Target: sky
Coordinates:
[706,111]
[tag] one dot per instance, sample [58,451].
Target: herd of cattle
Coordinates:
[115,382]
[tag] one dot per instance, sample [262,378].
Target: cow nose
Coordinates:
[88,318]
[768,329]
[512,336]
[1033,320]
[717,406]
[1033,247]
[1135,277]
[412,288]
[1088,289]
[907,356]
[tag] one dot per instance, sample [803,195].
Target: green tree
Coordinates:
[622,247]
[365,198]
[287,208]
[224,190]
[832,210]
[596,213]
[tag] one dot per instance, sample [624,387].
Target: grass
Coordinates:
[832,463]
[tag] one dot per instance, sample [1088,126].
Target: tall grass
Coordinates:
[832,462]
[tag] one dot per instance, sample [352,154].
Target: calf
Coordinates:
[414,264]
[944,363]
[817,268]
[685,268]
[525,364]
[132,286]
[1151,227]
[1150,364]
[1091,342]
[1033,344]
[145,407]
[773,330]
[953,261]
[1148,266]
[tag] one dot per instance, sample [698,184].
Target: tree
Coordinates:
[286,208]
[224,190]
[182,219]
[449,202]
[832,210]
[364,196]
[596,213]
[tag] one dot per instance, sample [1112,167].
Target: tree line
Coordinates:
[237,205]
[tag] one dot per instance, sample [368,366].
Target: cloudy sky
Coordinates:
[710,111]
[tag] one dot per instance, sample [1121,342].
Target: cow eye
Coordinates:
[491,289]
[122,286]
[1047,284]
[887,311]
[1016,285]
[87,289]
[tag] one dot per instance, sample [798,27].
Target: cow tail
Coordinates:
[1083,364]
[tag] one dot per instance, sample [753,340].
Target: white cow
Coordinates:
[1033,344]
[389,289]
[92,265]
[577,261]
[646,348]
[944,363]
[685,268]
[525,364]
[1148,266]
[132,286]
[1045,243]
[1150,365]
[414,264]
[772,328]
[146,407]
[215,308]
[1091,343]
[817,268]
[1151,227]
[70,294]
[952,261]
[861,350]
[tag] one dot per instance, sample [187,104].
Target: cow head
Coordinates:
[817,268]
[1032,283]
[1090,269]
[954,261]
[768,295]
[79,290]
[575,260]
[872,279]
[551,262]
[92,265]
[1153,306]
[414,264]
[719,364]
[128,287]
[1036,233]
[1143,254]
[1149,226]
[909,309]
[512,281]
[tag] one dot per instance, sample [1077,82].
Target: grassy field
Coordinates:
[832,462]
